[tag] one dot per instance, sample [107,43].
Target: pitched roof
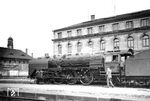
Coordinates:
[13,53]
[144,13]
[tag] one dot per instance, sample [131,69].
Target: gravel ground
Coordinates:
[138,94]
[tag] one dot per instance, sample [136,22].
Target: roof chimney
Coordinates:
[32,54]
[46,55]
[26,50]
[92,17]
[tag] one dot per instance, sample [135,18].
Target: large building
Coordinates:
[13,62]
[102,36]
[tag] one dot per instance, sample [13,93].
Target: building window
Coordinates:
[59,35]
[116,44]
[59,49]
[69,33]
[129,24]
[90,44]
[115,58]
[79,32]
[115,26]
[102,28]
[144,22]
[145,41]
[90,30]
[69,48]
[102,45]
[130,42]
[79,47]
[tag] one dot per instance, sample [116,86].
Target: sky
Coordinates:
[31,22]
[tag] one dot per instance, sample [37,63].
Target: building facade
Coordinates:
[13,62]
[106,35]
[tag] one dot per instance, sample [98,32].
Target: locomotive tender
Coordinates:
[89,69]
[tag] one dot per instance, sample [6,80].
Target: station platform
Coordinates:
[51,92]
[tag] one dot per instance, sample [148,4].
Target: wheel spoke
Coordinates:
[86,78]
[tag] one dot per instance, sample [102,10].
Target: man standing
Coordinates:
[109,77]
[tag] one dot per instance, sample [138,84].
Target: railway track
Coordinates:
[8,98]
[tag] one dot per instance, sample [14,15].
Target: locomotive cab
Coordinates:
[116,60]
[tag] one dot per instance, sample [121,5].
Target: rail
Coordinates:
[9,98]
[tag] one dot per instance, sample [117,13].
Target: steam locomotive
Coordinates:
[135,70]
